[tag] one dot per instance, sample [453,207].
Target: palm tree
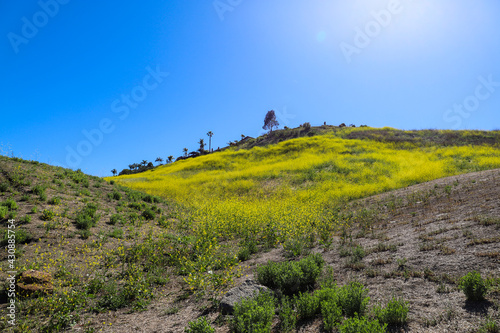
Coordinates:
[131,166]
[114,172]
[170,159]
[159,160]
[185,150]
[144,162]
[210,134]
[202,146]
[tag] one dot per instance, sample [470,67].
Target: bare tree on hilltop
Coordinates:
[270,121]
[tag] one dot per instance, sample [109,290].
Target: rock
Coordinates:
[247,289]
[35,282]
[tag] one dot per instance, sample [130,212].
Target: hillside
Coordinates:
[153,251]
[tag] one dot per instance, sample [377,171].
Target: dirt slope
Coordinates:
[418,240]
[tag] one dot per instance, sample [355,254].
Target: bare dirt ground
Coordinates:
[422,239]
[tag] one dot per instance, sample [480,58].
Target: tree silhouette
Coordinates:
[210,134]
[114,172]
[170,159]
[185,150]
[144,162]
[270,121]
[202,146]
[159,160]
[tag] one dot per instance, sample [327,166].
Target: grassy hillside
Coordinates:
[170,242]
[292,188]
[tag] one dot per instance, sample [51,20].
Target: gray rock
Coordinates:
[247,289]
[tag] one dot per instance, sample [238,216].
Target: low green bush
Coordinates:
[395,313]
[4,187]
[287,315]
[307,305]
[115,218]
[3,212]
[148,214]
[115,195]
[332,314]
[55,201]
[48,215]
[361,325]
[353,299]
[10,204]
[254,315]
[200,325]
[87,217]
[292,276]
[473,286]
[20,236]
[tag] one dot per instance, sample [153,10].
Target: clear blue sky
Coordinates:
[72,66]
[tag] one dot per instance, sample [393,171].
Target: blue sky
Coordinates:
[100,85]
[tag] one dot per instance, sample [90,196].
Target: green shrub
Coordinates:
[244,254]
[21,236]
[115,218]
[352,299]
[291,277]
[148,214]
[3,212]
[38,189]
[473,286]
[490,326]
[288,316]
[84,233]
[135,205]
[331,313]
[363,325]
[26,219]
[25,197]
[116,233]
[87,217]
[47,215]
[34,210]
[43,197]
[395,313]
[307,305]
[112,182]
[55,201]
[115,195]
[199,326]
[4,187]
[254,315]
[10,204]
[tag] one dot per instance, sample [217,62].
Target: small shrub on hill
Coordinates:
[87,217]
[395,313]
[307,305]
[115,195]
[10,204]
[473,286]
[254,315]
[200,325]
[3,212]
[291,277]
[148,214]
[47,215]
[352,299]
